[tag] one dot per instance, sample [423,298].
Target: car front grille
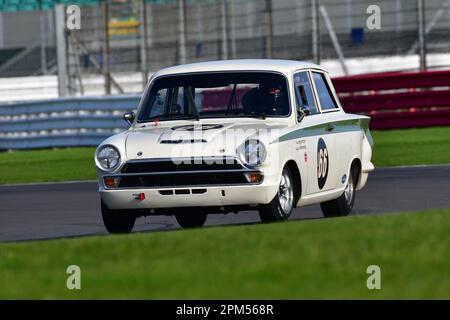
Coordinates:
[165,173]
[177,165]
[182,179]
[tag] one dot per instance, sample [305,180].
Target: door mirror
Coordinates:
[302,112]
[129,117]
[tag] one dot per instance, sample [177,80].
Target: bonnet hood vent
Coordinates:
[183,141]
[202,127]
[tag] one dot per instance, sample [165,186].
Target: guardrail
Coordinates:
[78,121]
[398,100]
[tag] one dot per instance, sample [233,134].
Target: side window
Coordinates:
[303,91]
[323,91]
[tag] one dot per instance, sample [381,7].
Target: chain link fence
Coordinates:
[121,42]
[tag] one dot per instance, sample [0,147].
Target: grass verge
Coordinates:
[412,146]
[297,259]
[47,165]
[392,148]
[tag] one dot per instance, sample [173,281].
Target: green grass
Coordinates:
[392,148]
[297,259]
[47,165]
[412,146]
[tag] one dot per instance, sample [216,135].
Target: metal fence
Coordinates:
[122,37]
[64,122]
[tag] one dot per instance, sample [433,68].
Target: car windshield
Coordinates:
[216,95]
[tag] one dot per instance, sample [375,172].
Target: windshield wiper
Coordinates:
[189,117]
[261,115]
[232,104]
[195,117]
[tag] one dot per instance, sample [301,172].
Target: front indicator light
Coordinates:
[253,177]
[111,182]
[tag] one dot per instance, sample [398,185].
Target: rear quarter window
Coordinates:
[324,92]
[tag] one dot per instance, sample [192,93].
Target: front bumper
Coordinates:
[212,196]
[160,183]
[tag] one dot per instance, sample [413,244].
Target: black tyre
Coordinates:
[117,221]
[191,219]
[343,205]
[281,206]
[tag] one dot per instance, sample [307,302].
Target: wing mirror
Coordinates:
[302,112]
[129,117]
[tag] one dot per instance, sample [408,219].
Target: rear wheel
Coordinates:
[117,221]
[190,219]
[280,208]
[343,205]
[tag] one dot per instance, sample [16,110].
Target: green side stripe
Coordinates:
[340,126]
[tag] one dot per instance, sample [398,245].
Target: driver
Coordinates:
[264,99]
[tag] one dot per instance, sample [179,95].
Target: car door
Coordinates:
[330,112]
[347,132]
[316,133]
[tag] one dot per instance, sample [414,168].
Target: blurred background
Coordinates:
[128,38]
[120,43]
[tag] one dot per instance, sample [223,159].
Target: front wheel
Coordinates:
[189,220]
[117,221]
[343,205]
[281,206]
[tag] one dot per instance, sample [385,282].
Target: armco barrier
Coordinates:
[77,121]
[398,100]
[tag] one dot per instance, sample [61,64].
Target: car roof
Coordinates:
[284,66]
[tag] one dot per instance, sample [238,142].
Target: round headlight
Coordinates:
[108,157]
[252,152]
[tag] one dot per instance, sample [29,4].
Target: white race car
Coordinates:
[228,136]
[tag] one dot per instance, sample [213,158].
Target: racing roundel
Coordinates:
[322,163]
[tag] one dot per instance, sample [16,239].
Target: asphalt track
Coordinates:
[45,211]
